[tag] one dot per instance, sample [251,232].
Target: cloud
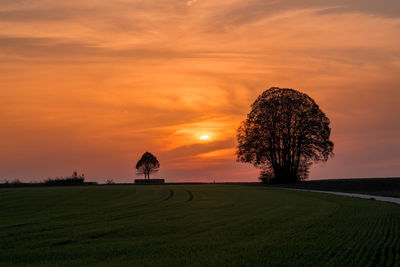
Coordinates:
[191,2]
[109,81]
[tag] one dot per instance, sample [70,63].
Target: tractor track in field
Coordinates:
[190,195]
[171,194]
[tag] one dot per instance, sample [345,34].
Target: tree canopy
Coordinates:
[284,133]
[147,164]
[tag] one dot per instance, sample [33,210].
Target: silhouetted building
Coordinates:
[149,181]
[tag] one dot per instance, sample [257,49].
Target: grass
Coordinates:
[373,186]
[196,225]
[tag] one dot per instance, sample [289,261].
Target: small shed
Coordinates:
[149,181]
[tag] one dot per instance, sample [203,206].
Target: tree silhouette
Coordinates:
[284,133]
[147,164]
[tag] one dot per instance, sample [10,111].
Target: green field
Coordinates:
[196,225]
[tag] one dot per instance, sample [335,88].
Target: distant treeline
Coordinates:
[75,179]
[65,181]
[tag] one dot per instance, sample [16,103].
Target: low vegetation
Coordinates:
[75,179]
[201,225]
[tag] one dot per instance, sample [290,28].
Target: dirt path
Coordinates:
[379,198]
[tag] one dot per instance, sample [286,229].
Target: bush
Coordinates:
[75,179]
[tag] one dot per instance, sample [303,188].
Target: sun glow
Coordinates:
[205,137]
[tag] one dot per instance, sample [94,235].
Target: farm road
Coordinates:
[379,198]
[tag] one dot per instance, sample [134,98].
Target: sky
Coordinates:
[92,85]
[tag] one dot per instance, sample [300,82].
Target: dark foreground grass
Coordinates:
[196,225]
[373,186]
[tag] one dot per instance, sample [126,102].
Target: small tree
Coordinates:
[284,133]
[147,164]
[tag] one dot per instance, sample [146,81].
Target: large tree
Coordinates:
[147,164]
[284,133]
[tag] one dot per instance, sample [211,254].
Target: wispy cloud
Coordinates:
[103,81]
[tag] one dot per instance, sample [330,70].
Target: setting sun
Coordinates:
[205,137]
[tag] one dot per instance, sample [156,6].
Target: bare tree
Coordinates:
[147,164]
[284,133]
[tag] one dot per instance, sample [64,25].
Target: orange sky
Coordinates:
[91,85]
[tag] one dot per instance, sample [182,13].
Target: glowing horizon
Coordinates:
[90,86]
